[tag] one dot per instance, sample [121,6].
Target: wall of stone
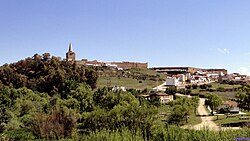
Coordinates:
[129,65]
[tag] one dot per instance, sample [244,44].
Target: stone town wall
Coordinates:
[129,65]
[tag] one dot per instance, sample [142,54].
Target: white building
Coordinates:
[172,82]
[118,89]
[182,78]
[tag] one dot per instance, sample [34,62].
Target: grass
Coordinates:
[126,82]
[166,110]
[224,95]
[194,120]
[217,85]
[195,91]
[222,119]
[148,72]
[131,78]
[170,133]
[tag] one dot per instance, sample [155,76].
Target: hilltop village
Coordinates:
[175,76]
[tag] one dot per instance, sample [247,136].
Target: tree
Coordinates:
[214,101]
[195,103]
[178,114]
[194,86]
[243,97]
[91,76]
[45,74]
[171,90]
[188,106]
[155,101]
[84,95]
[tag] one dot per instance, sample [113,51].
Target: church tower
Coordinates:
[70,55]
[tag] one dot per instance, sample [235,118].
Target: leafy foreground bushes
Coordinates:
[172,133]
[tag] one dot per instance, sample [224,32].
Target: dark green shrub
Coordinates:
[194,86]
[220,89]
[223,110]
[20,134]
[188,86]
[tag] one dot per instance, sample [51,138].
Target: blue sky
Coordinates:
[197,33]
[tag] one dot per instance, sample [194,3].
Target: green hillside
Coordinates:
[133,78]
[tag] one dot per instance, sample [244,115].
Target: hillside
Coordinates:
[132,78]
[44,73]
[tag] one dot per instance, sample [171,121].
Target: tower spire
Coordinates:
[70,47]
[70,55]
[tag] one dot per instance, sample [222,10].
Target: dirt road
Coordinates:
[207,121]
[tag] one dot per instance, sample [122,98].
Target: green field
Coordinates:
[132,78]
[126,82]
[222,119]
[224,95]
[217,85]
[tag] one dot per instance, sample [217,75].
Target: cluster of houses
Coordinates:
[180,76]
[234,78]
[163,98]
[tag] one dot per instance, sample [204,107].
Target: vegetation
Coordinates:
[46,98]
[243,97]
[45,74]
[131,78]
[229,119]
[128,83]
[182,108]
[171,133]
[213,101]
[224,91]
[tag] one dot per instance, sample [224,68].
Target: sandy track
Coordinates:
[207,121]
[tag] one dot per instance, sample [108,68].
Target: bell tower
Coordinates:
[70,55]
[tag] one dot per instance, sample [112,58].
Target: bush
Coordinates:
[223,110]
[171,90]
[188,87]
[220,89]
[20,134]
[202,96]
[211,90]
[194,94]
[181,91]
[194,86]
[205,86]
[55,125]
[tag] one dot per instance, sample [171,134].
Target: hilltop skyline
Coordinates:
[202,34]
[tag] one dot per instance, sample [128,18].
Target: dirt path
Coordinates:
[207,121]
[161,87]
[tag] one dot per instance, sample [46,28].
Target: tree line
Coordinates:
[44,73]
[44,97]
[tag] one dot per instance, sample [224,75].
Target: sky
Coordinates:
[195,33]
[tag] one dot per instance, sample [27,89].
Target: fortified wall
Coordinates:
[129,65]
